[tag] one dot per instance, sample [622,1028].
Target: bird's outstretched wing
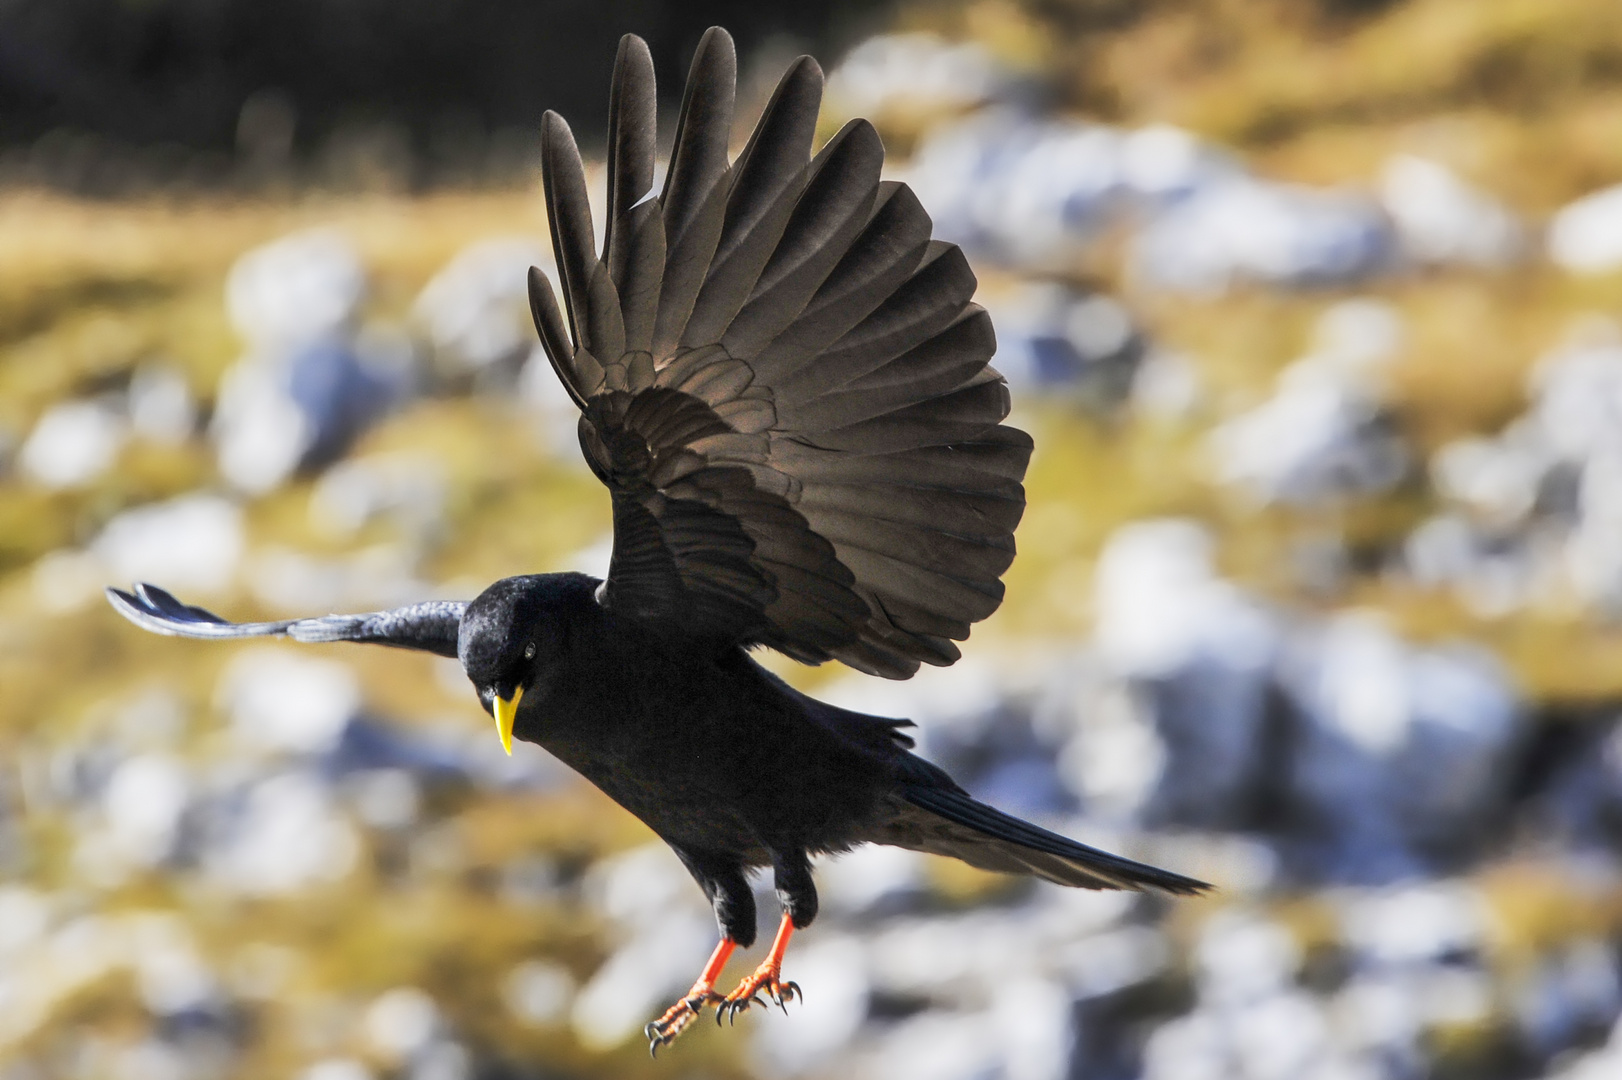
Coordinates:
[430,627]
[782,380]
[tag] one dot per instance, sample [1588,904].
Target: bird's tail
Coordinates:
[943,821]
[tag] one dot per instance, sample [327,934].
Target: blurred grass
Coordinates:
[1525,95]
[89,288]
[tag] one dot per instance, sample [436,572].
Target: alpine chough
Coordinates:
[783,383]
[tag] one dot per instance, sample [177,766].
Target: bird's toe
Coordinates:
[677,1018]
[766,982]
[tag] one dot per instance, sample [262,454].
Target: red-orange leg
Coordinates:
[768,977]
[664,1030]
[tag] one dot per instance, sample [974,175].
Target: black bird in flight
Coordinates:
[784,385]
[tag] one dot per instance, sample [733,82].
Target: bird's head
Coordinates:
[504,640]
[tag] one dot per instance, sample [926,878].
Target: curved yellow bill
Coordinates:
[506,710]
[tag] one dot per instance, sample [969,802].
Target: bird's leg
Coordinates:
[768,977]
[675,1020]
[797,894]
[723,881]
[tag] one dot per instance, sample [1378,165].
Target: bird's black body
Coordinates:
[729,765]
[784,385]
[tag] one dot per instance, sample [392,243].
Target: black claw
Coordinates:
[793,990]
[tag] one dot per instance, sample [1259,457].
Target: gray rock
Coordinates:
[1248,230]
[1052,338]
[303,287]
[300,409]
[1325,433]
[475,311]
[1441,220]
[1197,655]
[192,542]
[916,75]
[1036,192]
[1585,236]
[311,380]
[72,444]
[161,404]
[1400,756]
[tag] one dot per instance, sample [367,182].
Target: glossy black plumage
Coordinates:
[783,383]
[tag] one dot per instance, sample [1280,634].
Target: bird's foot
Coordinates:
[666,1029]
[768,980]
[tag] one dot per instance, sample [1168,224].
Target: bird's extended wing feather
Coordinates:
[782,381]
[430,626]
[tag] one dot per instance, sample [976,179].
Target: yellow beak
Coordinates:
[506,711]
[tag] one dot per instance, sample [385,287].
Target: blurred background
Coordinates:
[1311,305]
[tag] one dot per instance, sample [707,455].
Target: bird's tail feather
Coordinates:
[946,822]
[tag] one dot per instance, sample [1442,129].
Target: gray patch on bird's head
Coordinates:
[496,628]
[517,626]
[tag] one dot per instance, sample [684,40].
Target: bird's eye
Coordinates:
[529,651]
